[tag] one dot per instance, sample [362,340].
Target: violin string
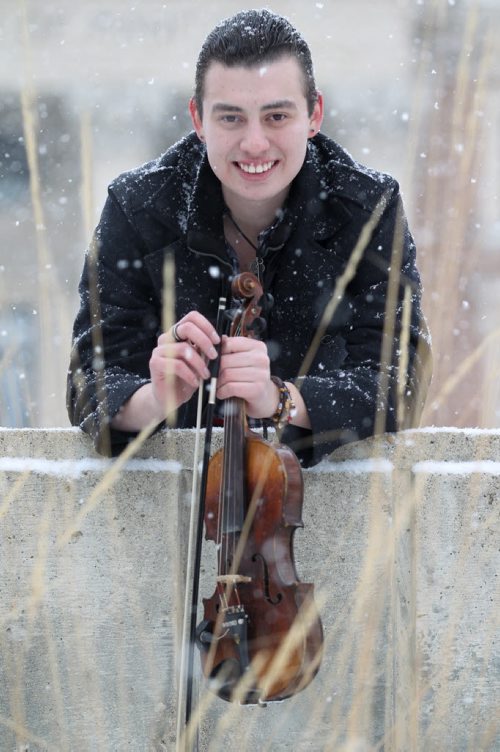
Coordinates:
[226,481]
[222,499]
[236,446]
[227,490]
[227,514]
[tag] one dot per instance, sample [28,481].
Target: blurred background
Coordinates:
[90,89]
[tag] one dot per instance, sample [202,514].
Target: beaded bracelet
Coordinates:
[286,406]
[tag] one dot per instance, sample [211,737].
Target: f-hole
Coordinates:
[267,593]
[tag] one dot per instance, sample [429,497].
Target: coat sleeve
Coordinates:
[383,379]
[115,329]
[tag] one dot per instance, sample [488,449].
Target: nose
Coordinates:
[254,139]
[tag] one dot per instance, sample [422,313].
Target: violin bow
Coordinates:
[184,709]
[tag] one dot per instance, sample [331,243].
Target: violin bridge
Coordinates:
[233,579]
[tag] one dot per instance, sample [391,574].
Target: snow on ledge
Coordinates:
[452,429]
[371,465]
[77,468]
[38,429]
[432,467]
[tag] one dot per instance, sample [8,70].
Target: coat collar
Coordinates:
[313,202]
[205,229]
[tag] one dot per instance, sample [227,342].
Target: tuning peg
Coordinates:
[266,302]
[231,313]
[258,326]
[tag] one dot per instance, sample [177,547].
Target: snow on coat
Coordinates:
[174,205]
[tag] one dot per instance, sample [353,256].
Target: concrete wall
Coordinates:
[411,88]
[400,540]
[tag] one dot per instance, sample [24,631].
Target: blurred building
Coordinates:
[92,89]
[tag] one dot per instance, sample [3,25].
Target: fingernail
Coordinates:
[206,373]
[212,353]
[215,337]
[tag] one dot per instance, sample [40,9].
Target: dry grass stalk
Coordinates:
[104,485]
[168,320]
[449,250]
[48,289]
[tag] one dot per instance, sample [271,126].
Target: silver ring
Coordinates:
[175,333]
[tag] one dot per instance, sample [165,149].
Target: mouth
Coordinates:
[252,168]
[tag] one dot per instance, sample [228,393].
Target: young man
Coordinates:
[255,187]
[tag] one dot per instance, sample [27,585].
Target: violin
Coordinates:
[261,637]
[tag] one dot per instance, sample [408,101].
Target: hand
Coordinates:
[177,367]
[245,373]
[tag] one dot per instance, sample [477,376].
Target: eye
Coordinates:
[229,119]
[278,117]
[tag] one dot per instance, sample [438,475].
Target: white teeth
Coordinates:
[252,169]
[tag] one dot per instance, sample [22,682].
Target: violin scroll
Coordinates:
[246,318]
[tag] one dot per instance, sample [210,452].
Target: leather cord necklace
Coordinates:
[245,237]
[257,265]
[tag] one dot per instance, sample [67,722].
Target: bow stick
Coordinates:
[196,540]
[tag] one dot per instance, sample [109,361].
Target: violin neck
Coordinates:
[233,480]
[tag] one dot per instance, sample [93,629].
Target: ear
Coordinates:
[196,119]
[317,116]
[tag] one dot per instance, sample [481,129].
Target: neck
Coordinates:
[254,216]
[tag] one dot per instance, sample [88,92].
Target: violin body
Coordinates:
[261,638]
[282,630]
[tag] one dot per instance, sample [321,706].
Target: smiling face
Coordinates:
[255,125]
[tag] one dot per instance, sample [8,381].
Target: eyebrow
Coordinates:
[279,104]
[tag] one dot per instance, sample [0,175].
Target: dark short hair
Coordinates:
[250,38]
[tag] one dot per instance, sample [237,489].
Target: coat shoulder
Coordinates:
[347,178]
[137,187]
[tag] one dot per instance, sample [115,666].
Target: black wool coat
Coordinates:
[356,371]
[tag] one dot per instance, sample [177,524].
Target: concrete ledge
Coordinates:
[400,539]
[407,447]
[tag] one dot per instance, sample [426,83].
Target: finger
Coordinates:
[187,331]
[202,323]
[249,358]
[261,397]
[244,375]
[257,360]
[183,352]
[242,344]
[190,323]
[244,389]
[190,332]
[175,370]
